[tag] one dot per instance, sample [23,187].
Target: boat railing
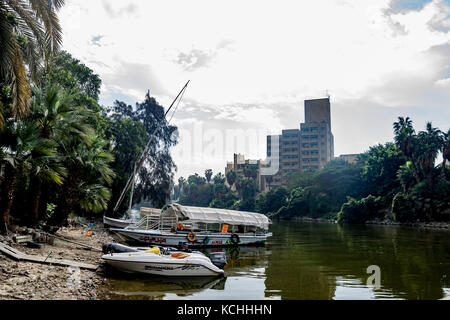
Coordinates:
[147,222]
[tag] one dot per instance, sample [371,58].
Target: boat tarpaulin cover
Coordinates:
[213,215]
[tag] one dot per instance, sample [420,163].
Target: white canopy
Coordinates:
[213,215]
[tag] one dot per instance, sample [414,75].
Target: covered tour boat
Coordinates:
[197,226]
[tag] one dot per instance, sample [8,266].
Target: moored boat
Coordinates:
[123,223]
[159,261]
[117,223]
[197,226]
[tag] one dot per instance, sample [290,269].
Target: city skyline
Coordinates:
[254,68]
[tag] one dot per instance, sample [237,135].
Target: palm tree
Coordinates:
[219,178]
[231,177]
[208,175]
[405,138]
[89,170]
[44,168]
[181,183]
[429,143]
[56,117]
[23,151]
[29,31]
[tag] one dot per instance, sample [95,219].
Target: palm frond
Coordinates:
[45,12]
[21,91]
[2,119]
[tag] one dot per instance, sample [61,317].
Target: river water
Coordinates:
[309,260]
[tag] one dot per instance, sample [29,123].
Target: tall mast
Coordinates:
[138,164]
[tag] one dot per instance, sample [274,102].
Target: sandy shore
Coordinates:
[34,281]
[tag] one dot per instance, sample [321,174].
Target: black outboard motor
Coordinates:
[219,259]
[117,248]
[183,246]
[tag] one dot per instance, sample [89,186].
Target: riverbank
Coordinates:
[419,225]
[34,281]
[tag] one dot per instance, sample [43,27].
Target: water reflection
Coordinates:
[157,288]
[327,261]
[314,261]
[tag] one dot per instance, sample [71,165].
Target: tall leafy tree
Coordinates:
[381,165]
[154,180]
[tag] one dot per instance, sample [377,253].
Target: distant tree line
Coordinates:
[234,191]
[398,180]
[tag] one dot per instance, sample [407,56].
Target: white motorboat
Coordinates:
[198,227]
[163,262]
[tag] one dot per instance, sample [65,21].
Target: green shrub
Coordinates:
[360,211]
[403,209]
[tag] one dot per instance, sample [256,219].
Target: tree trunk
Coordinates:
[7,197]
[415,171]
[443,167]
[42,210]
[69,196]
[35,186]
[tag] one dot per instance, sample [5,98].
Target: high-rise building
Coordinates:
[309,147]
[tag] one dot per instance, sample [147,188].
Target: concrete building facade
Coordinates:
[309,147]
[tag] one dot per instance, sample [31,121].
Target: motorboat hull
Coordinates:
[117,223]
[196,265]
[156,237]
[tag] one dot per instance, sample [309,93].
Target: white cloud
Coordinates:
[252,63]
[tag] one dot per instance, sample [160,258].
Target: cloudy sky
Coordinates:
[253,63]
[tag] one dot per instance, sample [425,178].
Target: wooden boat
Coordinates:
[195,226]
[162,262]
[117,223]
[123,223]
